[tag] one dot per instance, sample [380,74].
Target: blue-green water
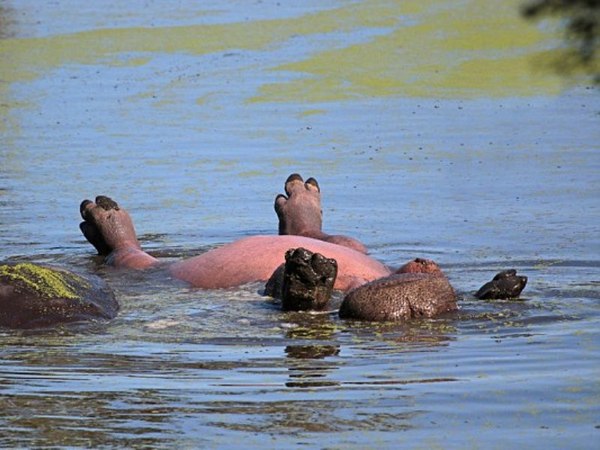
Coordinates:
[190,130]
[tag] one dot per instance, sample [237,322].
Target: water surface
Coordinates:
[434,131]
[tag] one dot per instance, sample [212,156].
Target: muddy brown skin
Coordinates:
[400,297]
[300,213]
[33,296]
[304,282]
[418,289]
[506,284]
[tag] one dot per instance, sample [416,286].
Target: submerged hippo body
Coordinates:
[256,258]
[38,296]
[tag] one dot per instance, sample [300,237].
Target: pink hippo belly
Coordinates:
[255,258]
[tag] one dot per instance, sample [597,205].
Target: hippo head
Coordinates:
[506,284]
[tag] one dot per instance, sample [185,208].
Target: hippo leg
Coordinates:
[110,230]
[300,213]
[91,232]
[304,282]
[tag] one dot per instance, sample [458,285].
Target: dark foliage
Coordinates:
[581,21]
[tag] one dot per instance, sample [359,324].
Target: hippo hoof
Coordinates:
[308,280]
[400,297]
[506,284]
[34,296]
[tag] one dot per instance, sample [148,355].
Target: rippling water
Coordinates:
[431,135]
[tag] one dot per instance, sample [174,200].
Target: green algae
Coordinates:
[425,48]
[29,57]
[43,281]
[453,49]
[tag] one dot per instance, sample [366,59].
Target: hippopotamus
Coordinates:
[32,295]
[302,263]
[110,229]
[421,286]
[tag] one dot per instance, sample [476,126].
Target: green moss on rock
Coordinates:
[44,282]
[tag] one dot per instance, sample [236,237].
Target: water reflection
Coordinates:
[317,351]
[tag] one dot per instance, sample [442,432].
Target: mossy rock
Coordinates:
[34,296]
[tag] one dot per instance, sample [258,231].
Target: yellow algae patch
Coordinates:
[450,49]
[438,48]
[23,58]
[311,112]
[43,281]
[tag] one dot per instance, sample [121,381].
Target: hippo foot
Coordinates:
[34,296]
[300,213]
[506,284]
[304,282]
[106,226]
[400,297]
